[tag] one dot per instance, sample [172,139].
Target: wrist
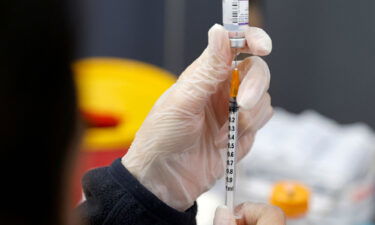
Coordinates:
[161,182]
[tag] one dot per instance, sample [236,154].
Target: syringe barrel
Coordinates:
[230,172]
[235,20]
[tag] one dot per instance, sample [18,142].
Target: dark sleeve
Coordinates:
[114,196]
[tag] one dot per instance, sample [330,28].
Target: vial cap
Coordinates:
[292,197]
[237,42]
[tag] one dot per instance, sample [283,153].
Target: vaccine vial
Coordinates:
[235,20]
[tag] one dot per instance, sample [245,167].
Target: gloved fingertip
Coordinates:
[249,99]
[216,28]
[255,84]
[246,104]
[265,47]
[259,41]
[216,35]
[224,216]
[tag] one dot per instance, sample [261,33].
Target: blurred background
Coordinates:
[323,55]
[323,73]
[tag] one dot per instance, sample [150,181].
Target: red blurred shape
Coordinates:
[100,119]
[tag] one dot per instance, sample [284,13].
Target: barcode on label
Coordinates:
[234,11]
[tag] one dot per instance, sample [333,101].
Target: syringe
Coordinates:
[230,173]
[235,20]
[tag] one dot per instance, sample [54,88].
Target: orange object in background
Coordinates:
[292,197]
[115,96]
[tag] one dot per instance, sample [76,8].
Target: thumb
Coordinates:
[224,216]
[203,78]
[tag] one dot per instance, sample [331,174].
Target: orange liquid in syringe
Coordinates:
[235,83]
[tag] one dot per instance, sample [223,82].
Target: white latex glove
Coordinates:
[180,149]
[250,214]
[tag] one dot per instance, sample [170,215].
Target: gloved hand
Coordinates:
[180,150]
[250,214]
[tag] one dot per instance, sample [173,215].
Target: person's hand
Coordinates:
[180,150]
[250,214]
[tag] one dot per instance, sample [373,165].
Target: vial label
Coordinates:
[236,12]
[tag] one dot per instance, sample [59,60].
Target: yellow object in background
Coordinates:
[292,197]
[117,88]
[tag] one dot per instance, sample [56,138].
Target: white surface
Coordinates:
[335,161]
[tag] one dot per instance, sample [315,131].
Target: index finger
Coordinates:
[255,81]
[258,42]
